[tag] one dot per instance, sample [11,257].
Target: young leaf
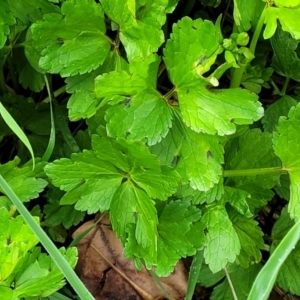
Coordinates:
[39,276]
[189,53]
[16,239]
[143,114]
[222,242]
[285,60]
[6,19]
[287,147]
[24,180]
[288,18]
[71,42]
[139,24]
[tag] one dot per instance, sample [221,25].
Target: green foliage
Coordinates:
[151,126]
[25,271]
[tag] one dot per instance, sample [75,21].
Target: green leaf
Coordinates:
[174,229]
[286,145]
[285,60]
[131,205]
[222,241]
[197,156]
[246,15]
[79,177]
[139,24]
[250,236]
[16,239]
[288,19]
[29,11]
[145,116]
[142,113]
[71,42]
[280,107]
[178,235]
[252,150]
[6,19]
[242,280]
[83,102]
[192,49]
[288,275]
[39,276]
[23,179]
[55,214]
[207,278]
[237,199]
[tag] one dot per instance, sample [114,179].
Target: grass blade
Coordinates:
[265,279]
[58,258]
[194,274]
[13,125]
[51,142]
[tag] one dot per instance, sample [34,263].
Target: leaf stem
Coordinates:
[285,85]
[254,172]
[230,284]
[238,73]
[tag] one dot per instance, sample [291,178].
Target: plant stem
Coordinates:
[254,172]
[231,285]
[285,85]
[56,93]
[238,73]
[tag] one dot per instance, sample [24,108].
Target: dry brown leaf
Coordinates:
[101,245]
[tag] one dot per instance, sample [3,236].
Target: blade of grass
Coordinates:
[51,142]
[12,124]
[265,279]
[58,258]
[194,274]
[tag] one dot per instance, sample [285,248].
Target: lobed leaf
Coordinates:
[141,113]
[192,49]
[287,17]
[139,24]
[71,42]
